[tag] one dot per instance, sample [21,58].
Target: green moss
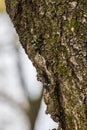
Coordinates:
[13,4]
[63,69]
[70,120]
[73,23]
[61,9]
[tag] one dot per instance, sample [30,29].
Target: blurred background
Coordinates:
[21,102]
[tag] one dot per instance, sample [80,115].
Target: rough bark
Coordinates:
[54,35]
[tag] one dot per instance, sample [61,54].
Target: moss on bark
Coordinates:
[54,35]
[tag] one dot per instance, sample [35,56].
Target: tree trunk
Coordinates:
[54,35]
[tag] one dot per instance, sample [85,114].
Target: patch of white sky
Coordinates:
[34,87]
[9,80]
[12,118]
[29,72]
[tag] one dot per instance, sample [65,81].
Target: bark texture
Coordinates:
[54,35]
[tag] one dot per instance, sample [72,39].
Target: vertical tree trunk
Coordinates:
[54,35]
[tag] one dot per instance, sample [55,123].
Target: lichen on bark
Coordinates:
[54,32]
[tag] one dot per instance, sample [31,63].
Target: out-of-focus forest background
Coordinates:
[21,103]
